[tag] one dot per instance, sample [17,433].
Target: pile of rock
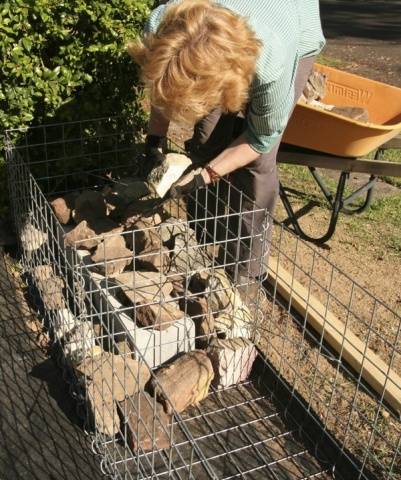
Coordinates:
[155,266]
[315,91]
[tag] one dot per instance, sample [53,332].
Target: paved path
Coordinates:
[365,35]
[39,436]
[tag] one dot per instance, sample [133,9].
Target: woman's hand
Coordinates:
[188,183]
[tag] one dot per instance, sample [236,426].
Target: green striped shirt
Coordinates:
[290,30]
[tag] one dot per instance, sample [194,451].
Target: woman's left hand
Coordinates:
[188,183]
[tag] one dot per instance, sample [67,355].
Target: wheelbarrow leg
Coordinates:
[336,206]
[369,189]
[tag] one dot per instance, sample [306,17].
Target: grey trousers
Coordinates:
[258,181]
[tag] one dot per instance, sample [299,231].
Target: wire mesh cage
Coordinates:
[183,361]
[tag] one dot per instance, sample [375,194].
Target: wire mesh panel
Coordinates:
[189,353]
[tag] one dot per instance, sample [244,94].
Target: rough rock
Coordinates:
[315,88]
[188,256]
[156,260]
[112,255]
[232,316]
[198,309]
[179,282]
[163,176]
[79,342]
[123,348]
[87,234]
[153,306]
[32,238]
[238,323]
[232,360]
[42,273]
[104,412]
[64,206]
[144,237]
[89,205]
[115,375]
[223,295]
[183,382]
[356,113]
[151,220]
[50,287]
[147,423]
[175,226]
[159,316]
[144,287]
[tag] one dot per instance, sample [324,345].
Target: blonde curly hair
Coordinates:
[203,56]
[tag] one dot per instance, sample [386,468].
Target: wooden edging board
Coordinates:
[321,160]
[362,359]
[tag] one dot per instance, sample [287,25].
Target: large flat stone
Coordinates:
[114,376]
[147,424]
[156,346]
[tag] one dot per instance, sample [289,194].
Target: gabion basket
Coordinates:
[183,364]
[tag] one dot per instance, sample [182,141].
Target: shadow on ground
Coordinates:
[39,433]
[371,19]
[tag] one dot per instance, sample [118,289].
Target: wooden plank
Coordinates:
[393,143]
[362,359]
[372,167]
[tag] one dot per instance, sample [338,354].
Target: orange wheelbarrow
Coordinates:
[318,138]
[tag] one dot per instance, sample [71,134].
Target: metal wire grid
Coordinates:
[362,438]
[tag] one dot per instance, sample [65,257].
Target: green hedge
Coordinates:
[65,60]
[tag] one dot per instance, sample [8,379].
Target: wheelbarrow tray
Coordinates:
[324,131]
